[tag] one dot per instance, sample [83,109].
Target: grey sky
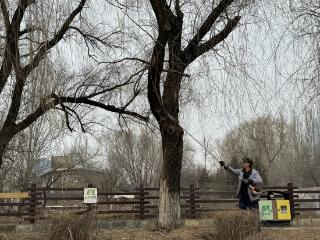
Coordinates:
[225,94]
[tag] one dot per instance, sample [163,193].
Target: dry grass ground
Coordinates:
[194,233]
[237,225]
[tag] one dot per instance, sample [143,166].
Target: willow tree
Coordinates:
[30,33]
[164,87]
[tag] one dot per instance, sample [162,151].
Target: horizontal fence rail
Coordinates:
[140,203]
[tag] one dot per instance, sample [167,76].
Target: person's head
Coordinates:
[247,164]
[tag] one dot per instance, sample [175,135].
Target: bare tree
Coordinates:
[26,151]
[302,36]
[264,139]
[222,18]
[27,43]
[136,155]
[305,140]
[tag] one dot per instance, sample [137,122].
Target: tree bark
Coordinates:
[3,145]
[169,203]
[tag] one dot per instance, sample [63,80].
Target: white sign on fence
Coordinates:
[90,195]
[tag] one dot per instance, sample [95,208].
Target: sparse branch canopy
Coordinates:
[192,53]
[22,72]
[45,46]
[53,100]
[207,24]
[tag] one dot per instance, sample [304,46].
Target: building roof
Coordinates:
[74,170]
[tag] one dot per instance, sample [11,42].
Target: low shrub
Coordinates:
[71,227]
[239,225]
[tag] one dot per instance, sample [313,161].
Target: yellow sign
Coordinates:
[17,195]
[283,209]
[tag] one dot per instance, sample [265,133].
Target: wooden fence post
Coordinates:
[33,200]
[141,200]
[291,199]
[192,202]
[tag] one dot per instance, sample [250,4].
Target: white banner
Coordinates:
[90,195]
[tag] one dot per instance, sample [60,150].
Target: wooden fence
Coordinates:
[144,202]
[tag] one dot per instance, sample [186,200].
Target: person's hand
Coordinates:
[222,164]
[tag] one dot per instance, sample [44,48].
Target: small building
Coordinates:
[69,171]
[72,177]
[69,178]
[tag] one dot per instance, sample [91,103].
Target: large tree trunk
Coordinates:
[4,142]
[3,147]
[169,203]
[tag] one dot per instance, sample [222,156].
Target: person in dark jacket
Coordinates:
[249,181]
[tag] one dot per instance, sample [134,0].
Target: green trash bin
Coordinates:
[274,210]
[266,210]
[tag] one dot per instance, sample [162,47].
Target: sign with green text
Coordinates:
[266,210]
[90,195]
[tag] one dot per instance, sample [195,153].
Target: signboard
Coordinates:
[90,195]
[283,209]
[265,210]
[16,195]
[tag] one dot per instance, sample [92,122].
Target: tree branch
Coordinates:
[5,14]
[11,54]
[116,86]
[197,51]
[92,39]
[125,59]
[163,14]
[78,118]
[45,46]
[207,25]
[29,30]
[154,75]
[53,100]
[46,104]
[15,102]
[67,116]
[178,9]
[110,108]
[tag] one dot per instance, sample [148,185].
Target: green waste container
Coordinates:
[274,210]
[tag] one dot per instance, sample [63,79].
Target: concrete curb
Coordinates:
[136,224]
[7,227]
[306,222]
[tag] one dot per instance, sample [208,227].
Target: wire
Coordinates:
[197,141]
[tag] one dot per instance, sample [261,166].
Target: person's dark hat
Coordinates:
[248,161]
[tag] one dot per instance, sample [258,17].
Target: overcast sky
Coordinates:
[257,80]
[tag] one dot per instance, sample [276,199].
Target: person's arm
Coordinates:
[255,178]
[233,170]
[230,169]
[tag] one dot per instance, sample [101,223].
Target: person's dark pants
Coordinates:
[245,203]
